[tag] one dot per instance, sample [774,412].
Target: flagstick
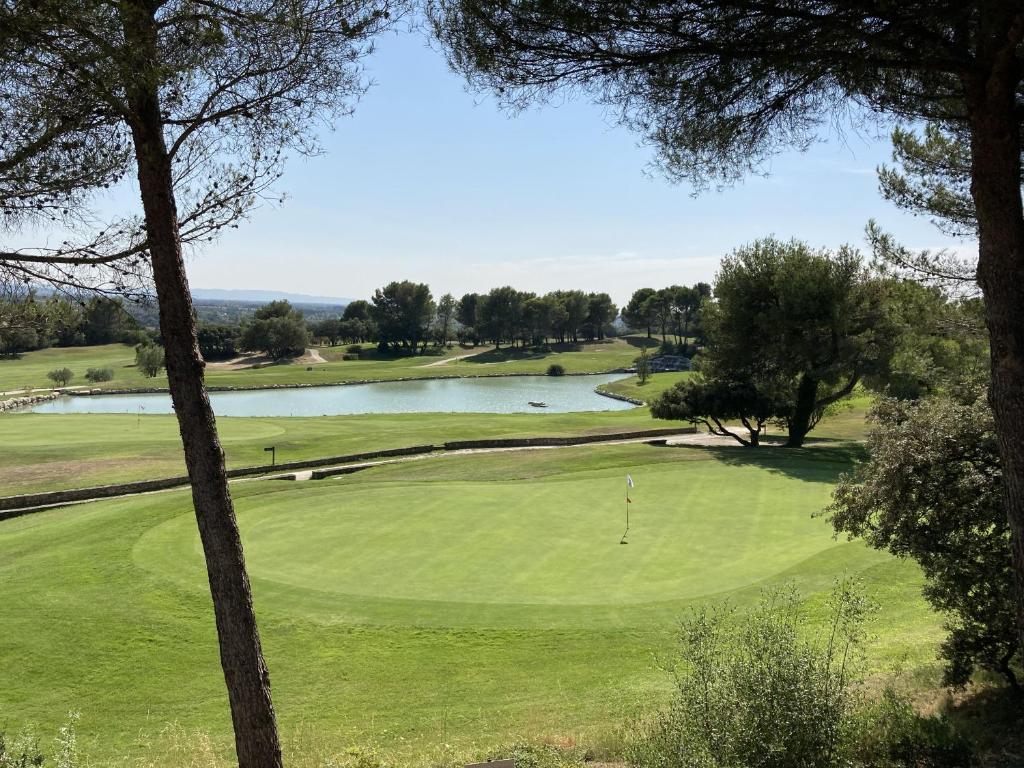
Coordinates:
[626,532]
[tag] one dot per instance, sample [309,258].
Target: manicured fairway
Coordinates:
[457,600]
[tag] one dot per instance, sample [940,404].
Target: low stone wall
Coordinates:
[616,396]
[12,506]
[14,403]
[527,442]
[52,498]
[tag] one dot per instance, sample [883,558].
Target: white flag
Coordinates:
[629,481]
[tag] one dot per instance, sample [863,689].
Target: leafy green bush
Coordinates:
[556,370]
[765,689]
[355,349]
[96,375]
[350,357]
[60,376]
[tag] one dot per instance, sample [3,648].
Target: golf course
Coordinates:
[426,610]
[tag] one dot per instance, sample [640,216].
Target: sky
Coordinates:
[432,183]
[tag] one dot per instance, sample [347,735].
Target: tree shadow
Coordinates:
[816,463]
[507,354]
[641,342]
[993,720]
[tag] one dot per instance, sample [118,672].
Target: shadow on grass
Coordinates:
[993,720]
[816,463]
[641,342]
[508,354]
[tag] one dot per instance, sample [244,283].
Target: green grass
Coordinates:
[649,391]
[44,452]
[453,600]
[30,369]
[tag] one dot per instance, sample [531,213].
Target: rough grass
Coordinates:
[452,601]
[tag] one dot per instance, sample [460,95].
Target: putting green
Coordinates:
[697,528]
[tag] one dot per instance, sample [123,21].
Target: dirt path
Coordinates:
[447,360]
[311,356]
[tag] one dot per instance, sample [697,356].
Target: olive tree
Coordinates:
[719,86]
[195,103]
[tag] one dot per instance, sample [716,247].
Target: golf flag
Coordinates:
[629,481]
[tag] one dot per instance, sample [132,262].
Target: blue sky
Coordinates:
[431,183]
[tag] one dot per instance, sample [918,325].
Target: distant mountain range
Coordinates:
[230,294]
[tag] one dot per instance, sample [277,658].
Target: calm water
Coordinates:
[491,395]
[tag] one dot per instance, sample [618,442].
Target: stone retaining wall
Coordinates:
[31,500]
[14,403]
[616,396]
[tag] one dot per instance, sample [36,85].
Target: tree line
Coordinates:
[28,322]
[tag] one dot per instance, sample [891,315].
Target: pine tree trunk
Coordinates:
[803,411]
[245,672]
[995,187]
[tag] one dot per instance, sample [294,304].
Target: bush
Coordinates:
[355,349]
[96,375]
[349,357]
[556,370]
[60,376]
[765,690]
[753,692]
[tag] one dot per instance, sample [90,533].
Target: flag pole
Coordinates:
[626,532]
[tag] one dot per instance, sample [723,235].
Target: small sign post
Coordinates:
[273,455]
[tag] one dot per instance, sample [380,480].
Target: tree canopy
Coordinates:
[810,321]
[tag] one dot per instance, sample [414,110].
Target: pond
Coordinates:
[506,394]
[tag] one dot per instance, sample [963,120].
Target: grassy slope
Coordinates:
[649,390]
[30,369]
[512,609]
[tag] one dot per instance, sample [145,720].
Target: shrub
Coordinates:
[60,376]
[556,370]
[24,751]
[354,348]
[753,691]
[349,357]
[97,375]
[765,689]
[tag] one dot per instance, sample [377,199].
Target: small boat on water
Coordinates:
[538,404]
